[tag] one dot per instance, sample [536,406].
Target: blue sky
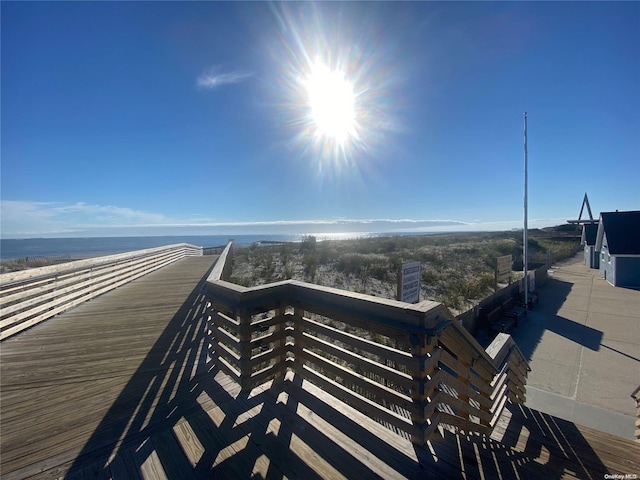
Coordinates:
[192,118]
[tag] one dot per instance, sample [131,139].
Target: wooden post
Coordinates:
[228,266]
[464,379]
[278,328]
[244,333]
[298,314]
[484,381]
[422,389]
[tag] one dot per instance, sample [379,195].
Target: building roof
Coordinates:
[589,233]
[622,230]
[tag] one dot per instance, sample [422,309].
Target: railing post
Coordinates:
[244,333]
[422,389]
[487,396]
[278,344]
[464,379]
[298,314]
[228,267]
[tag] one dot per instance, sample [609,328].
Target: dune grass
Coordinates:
[457,269]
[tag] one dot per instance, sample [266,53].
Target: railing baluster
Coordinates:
[445,377]
[298,339]
[278,329]
[464,379]
[244,333]
[424,388]
[31,296]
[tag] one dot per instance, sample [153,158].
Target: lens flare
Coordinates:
[334,84]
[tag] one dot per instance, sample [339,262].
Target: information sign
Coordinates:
[409,285]
[503,269]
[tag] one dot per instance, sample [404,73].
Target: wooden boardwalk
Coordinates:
[121,387]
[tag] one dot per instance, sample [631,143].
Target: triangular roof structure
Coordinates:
[585,201]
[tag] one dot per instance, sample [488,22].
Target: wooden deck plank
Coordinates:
[279,435]
[69,372]
[172,457]
[120,387]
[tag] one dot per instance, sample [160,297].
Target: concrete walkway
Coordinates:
[583,345]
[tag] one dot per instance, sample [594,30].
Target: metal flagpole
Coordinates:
[525,263]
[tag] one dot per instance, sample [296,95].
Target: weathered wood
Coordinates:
[390,374]
[462,407]
[360,403]
[428,327]
[225,321]
[82,291]
[453,364]
[423,388]
[40,272]
[277,335]
[70,284]
[223,265]
[273,321]
[383,351]
[244,337]
[463,423]
[88,369]
[220,350]
[276,354]
[499,348]
[371,387]
[222,336]
[465,389]
[126,390]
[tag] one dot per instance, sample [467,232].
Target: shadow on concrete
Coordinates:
[544,316]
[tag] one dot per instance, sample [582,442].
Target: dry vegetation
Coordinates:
[31,262]
[457,269]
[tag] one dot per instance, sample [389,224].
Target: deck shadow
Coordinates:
[178,412]
[545,316]
[160,388]
[234,433]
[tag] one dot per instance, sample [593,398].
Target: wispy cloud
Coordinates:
[26,218]
[23,219]
[216,77]
[30,219]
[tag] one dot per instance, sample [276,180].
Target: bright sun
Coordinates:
[332,103]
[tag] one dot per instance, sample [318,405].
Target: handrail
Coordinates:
[31,296]
[410,366]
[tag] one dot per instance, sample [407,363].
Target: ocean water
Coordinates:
[77,248]
[98,246]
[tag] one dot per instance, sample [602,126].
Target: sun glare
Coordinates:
[331,102]
[335,87]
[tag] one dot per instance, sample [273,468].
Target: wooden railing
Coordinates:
[31,296]
[410,367]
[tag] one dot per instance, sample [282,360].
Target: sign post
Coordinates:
[409,283]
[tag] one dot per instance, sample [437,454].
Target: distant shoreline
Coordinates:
[79,247]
